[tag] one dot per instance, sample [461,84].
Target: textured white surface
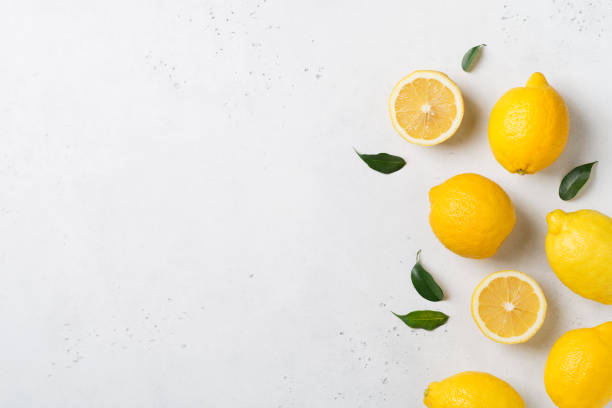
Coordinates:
[185,223]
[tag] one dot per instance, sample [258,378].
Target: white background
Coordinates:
[185,224]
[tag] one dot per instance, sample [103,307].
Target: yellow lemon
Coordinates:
[426,107]
[471,215]
[579,250]
[509,307]
[578,372]
[528,127]
[472,389]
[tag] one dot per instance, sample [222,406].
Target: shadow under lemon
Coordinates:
[466,132]
[521,237]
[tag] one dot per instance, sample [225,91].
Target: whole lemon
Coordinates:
[528,127]
[579,250]
[578,371]
[472,389]
[471,215]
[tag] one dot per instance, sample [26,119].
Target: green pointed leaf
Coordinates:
[470,57]
[574,180]
[382,162]
[423,319]
[424,283]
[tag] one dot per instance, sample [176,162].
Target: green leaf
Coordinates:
[424,319]
[424,283]
[470,57]
[382,162]
[574,180]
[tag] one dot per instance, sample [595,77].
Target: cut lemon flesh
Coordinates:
[508,307]
[426,107]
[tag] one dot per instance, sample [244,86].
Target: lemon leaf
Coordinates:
[574,181]
[423,319]
[424,283]
[470,57]
[382,162]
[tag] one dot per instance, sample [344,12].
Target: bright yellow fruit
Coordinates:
[471,215]
[579,250]
[528,127]
[508,307]
[472,389]
[578,371]
[426,107]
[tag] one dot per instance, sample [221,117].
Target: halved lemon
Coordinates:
[508,307]
[426,107]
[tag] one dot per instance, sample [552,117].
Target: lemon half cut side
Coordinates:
[509,307]
[426,107]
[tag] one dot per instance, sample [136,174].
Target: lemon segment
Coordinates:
[509,307]
[426,107]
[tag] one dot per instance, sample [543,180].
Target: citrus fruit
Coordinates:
[426,107]
[471,215]
[579,250]
[472,389]
[578,372]
[528,127]
[508,307]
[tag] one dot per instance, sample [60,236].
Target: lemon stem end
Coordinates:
[555,221]
[537,80]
